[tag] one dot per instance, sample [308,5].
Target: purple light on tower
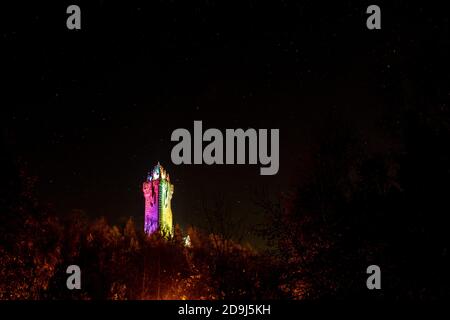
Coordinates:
[158,211]
[151,195]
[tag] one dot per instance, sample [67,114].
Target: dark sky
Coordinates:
[91,111]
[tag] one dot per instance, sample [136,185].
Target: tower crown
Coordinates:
[158,173]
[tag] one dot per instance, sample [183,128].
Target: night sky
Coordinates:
[90,112]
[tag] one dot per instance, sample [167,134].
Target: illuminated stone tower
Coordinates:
[158,193]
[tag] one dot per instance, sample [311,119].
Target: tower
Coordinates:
[158,193]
